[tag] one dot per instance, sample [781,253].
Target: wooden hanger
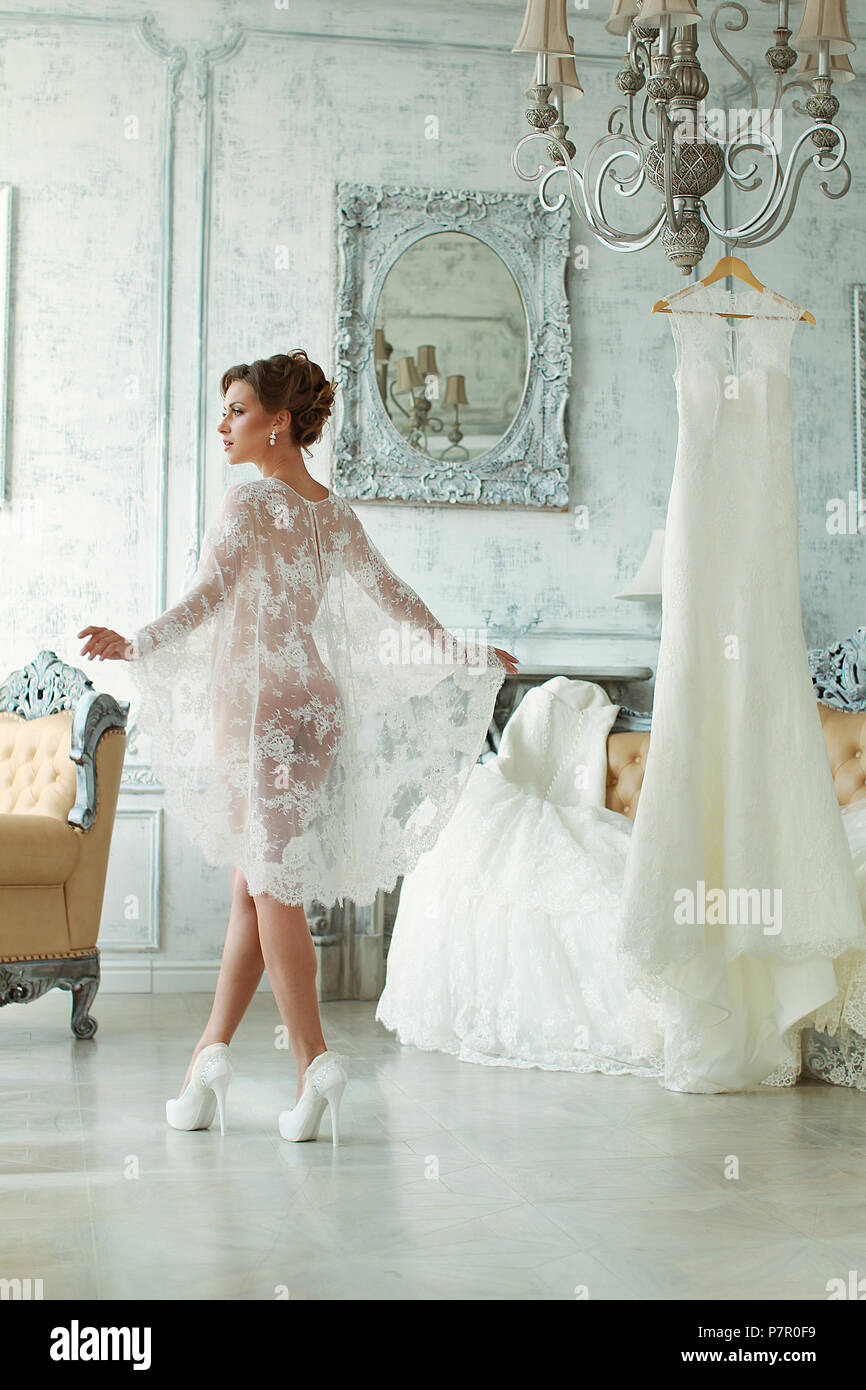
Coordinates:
[730,265]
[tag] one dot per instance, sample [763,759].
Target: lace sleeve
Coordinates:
[224,544]
[374,575]
[372,572]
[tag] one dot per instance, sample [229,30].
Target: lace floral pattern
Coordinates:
[737,793]
[839,1059]
[311,720]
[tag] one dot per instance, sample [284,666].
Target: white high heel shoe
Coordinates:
[206,1090]
[324,1083]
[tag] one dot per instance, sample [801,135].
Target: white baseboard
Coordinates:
[140,974]
[137,976]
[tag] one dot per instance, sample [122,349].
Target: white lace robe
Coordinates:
[311,720]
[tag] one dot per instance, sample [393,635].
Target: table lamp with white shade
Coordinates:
[647,583]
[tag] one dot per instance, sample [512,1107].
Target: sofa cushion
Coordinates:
[845,737]
[36,774]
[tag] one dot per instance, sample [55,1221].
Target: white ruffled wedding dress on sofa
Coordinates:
[503,945]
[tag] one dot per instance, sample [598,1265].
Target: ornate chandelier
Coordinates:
[669,139]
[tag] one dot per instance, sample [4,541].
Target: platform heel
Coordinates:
[324,1083]
[333,1093]
[205,1092]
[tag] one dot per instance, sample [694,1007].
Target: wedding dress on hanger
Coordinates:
[740,905]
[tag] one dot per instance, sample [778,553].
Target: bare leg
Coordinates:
[241,969]
[290,958]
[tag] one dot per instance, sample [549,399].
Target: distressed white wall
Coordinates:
[117,348]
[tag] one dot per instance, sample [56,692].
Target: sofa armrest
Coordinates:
[37,849]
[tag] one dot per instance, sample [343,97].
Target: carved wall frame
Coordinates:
[528,466]
[859,341]
[5,303]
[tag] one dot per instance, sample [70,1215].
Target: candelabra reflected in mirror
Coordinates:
[455,395]
[410,381]
[418,378]
[464,394]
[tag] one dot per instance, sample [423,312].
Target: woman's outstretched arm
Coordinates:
[372,572]
[226,542]
[228,539]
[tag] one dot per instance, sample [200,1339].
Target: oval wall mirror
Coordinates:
[451,346]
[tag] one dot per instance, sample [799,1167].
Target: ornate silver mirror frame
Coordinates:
[528,466]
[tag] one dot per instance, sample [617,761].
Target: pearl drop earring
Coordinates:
[273,436]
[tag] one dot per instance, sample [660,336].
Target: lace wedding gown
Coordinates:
[309,718]
[740,905]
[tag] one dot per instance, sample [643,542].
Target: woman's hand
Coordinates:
[510,661]
[106,644]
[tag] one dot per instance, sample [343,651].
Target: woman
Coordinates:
[312,722]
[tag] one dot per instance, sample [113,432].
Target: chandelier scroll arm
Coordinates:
[799,82]
[762,240]
[620,182]
[641,57]
[604,231]
[639,239]
[621,130]
[578,200]
[842,191]
[607,235]
[765,144]
[627,187]
[771,115]
[733,28]
[790,186]
[643,115]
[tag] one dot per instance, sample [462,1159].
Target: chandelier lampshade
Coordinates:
[563,72]
[824,20]
[545,29]
[408,376]
[679,12]
[455,391]
[840,67]
[621,16]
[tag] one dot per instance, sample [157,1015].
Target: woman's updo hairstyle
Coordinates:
[289,381]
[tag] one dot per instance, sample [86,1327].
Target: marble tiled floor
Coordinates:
[452,1181]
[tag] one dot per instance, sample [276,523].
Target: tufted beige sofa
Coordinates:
[62,748]
[844,735]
